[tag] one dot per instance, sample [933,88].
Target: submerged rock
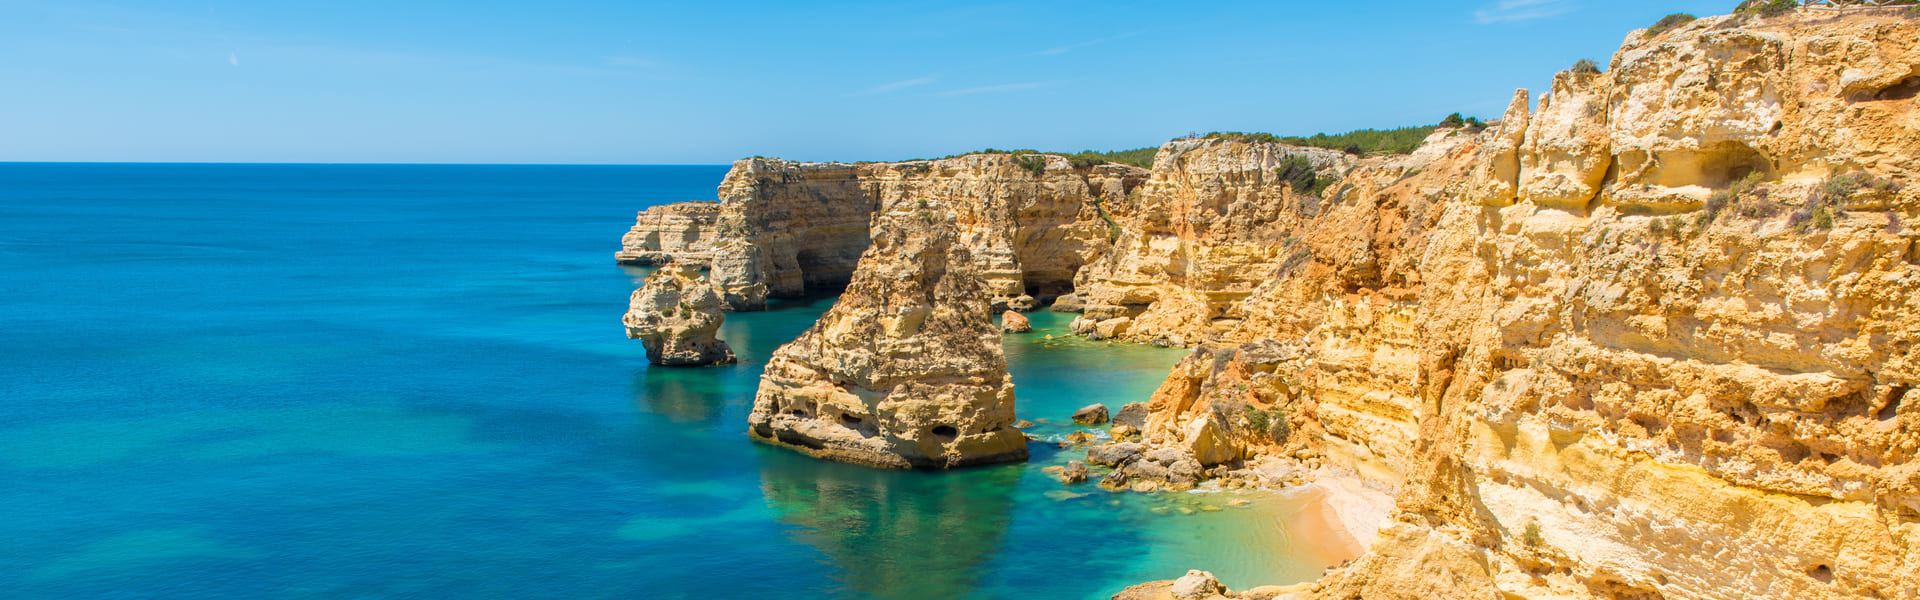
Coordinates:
[676,315]
[906,370]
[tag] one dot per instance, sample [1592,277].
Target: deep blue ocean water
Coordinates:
[336,381]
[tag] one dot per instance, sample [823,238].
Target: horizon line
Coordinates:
[351,164]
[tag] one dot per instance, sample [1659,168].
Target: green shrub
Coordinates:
[1299,174]
[1768,8]
[1585,66]
[1453,121]
[1139,157]
[1257,418]
[1238,136]
[1823,218]
[1669,22]
[1270,423]
[1532,537]
[1361,142]
[1033,163]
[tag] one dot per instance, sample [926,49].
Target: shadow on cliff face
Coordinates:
[894,534]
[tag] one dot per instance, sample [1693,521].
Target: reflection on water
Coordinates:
[894,534]
[683,395]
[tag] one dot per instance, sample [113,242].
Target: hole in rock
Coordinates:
[1714,166]
[1892,409]
[946,432]
[1822,573]
[795,412]
[850,421]
[1905,90]
[1793,452]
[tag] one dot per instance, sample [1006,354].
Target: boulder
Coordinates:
[1092,414]
[1114,454]
[1013,322]
[1111,328]
[1076,472]
[1133,414]
[1208,441]
[1197,585]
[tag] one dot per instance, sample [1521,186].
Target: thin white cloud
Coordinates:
[987,89]
[893,87]
[233,59]
[1071,47]
[1508,11]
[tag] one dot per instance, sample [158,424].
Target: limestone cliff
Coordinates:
[684,231]
[906,370]
[781,228]
[1217,218]
[1655,338]
[676,315]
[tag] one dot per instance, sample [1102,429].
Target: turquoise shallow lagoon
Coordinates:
[266,381]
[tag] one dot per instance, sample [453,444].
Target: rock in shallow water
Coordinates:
[676,316]
[1092,414]
[1013,322]
[906,370]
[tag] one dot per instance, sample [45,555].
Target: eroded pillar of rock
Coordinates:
[676,315]
[906,370]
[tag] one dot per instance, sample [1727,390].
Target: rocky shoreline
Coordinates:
[1653,336]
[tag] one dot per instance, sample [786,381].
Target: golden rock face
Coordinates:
[1656,338]
[906,370]
[677,316]
[782,228]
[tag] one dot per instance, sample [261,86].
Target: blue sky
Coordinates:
[708,82]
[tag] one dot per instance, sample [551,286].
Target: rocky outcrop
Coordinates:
[1013,322]
[676,315]
[783,228]
[1217,218]
[1655,338]
[682,232]
[906,370]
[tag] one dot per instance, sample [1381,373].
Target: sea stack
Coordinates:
[906,370]
[676,315]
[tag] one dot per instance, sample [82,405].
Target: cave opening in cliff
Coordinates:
[1715,165]
[945,432]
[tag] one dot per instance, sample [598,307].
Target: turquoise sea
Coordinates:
[337,381]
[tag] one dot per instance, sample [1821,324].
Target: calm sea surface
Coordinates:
[319,381]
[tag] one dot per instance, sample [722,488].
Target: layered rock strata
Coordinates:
[906,370]
[682,232]
[1654,338]
[783,228]
[677,316]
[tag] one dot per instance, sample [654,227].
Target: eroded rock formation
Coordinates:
[782,228]
[677,315]
[906,370]
[1655,338]
[682,232]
